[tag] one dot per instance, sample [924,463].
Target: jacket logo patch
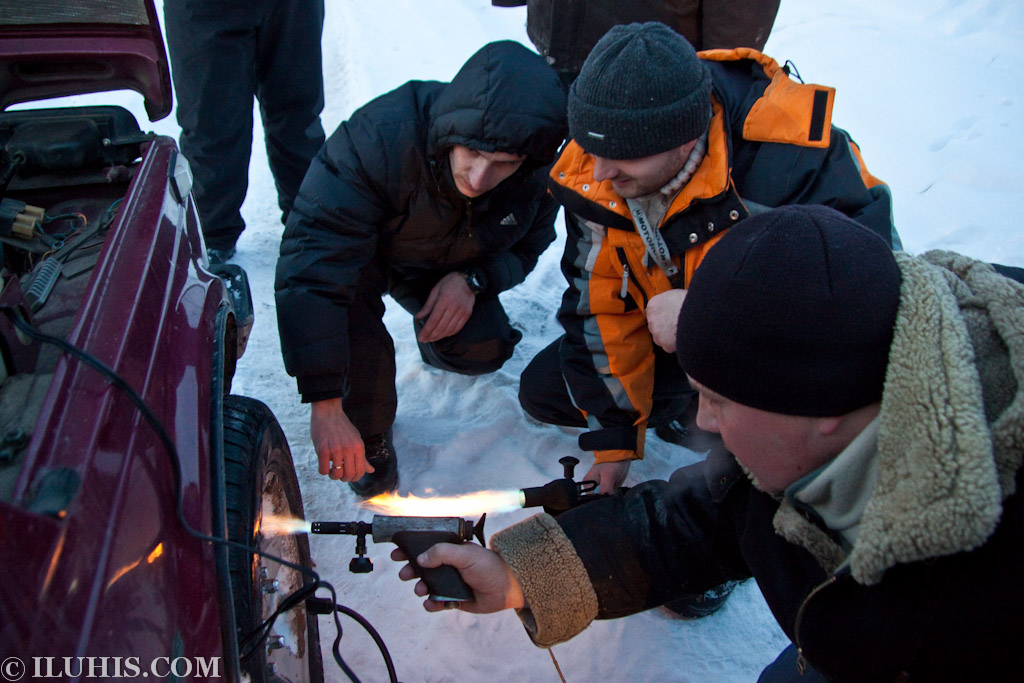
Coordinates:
[509,220]
[596,136]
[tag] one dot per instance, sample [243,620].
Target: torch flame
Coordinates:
[280,525]
[466,505]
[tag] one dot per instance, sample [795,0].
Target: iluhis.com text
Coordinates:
[15,669]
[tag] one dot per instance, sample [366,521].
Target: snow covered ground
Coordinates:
[931,91]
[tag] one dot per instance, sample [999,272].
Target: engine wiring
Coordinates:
[306,592]
[15,161]
[59,239]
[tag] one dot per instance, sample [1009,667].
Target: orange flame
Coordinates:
[280,525]
[466,505]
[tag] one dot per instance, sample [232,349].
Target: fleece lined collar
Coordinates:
[951,433]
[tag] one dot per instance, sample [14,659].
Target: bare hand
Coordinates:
[447,308]
[337,442]
[663,316]
[608,475]
[494,585]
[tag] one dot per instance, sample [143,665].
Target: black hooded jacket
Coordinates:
[381,190]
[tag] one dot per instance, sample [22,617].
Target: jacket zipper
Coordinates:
[627,277]
[801,661]
[469,218]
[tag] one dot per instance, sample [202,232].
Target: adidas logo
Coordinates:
[509,220]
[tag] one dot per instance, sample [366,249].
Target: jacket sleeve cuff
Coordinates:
[615,443]
[315,388]
[615,456]
[495,274]
[560,600]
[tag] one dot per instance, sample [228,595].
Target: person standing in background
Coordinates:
[223,54]
[565,31]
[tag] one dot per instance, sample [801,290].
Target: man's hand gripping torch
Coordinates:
[413,535]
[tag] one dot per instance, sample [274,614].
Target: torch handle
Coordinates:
[444,583]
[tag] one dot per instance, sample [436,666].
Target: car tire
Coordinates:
[260,481]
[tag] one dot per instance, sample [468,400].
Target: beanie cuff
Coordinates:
[641,132]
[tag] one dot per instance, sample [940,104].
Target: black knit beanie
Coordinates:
[792,312]
[642,91]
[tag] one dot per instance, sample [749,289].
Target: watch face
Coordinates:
[474,282]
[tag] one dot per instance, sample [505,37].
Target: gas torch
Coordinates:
[415,534]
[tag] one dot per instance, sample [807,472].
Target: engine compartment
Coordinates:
[63,176]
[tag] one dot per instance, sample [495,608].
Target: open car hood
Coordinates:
[50,48]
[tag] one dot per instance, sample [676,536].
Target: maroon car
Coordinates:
[122,449]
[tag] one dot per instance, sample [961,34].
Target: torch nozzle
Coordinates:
[561,494]
[383,527]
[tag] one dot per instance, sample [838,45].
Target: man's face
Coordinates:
[638,177]
[477,172]
[777,449]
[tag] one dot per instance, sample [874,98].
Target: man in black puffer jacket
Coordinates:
[436,194]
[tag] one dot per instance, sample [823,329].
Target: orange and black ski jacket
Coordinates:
[770,143]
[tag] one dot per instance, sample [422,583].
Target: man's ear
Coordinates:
[828,426]
[848,426]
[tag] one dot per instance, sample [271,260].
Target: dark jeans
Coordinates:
[483,345]
[543,394]
[223,54]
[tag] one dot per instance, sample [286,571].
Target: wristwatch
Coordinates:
[473,281]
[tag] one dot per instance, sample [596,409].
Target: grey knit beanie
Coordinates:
[642,91]
[793,312]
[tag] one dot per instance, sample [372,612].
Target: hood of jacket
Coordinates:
[951,434]
[505,98]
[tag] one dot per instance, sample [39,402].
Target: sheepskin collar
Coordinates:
[951,434]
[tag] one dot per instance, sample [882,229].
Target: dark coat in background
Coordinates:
[380,192]
[565,31]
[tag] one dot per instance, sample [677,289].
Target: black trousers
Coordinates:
[482,346]
[544,396]
[225,53]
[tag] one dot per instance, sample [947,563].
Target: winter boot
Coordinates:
[380,453]
[218,256]
[702,604]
